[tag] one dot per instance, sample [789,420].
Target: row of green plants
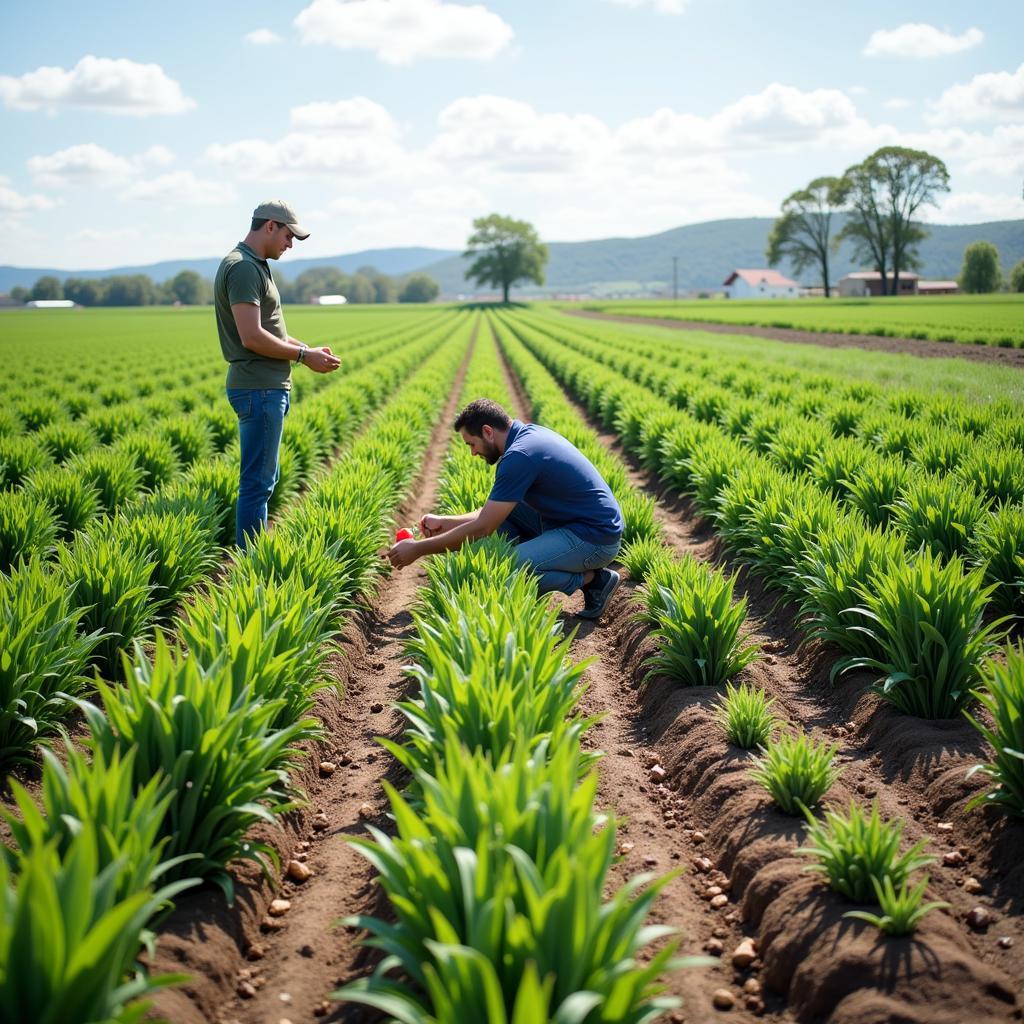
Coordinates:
[496,870]
[935,470]
[919,623]
[696,623]
[123,575]
[199,744]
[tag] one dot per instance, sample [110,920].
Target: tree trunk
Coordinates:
[824,270]
[504,288]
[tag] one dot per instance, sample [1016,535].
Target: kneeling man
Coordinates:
[547,497]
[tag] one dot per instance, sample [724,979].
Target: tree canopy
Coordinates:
[801,234]
[882,196]
[505,252]
[419,288]
[980,273]
[1017,277]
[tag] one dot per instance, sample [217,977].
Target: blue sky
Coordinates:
[134,133]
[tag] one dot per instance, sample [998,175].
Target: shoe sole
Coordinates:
[597,612]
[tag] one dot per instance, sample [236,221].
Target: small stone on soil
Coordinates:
[285,997]
[307,951]
[712,891]
[297,871]
[953,859]
[327,767]
[714,947]
[657,773]
[973,886]
[698,837]
[625,847]
[945,826]
[1005,942]
[744,954]
[979,919]
[344,758]
[365,811]
[245,990]
[752,987]
[723,999]
[376,709]
[320,822]
[720,933]
[650,861]
[255,952]
[322,1009]
[279,907]
[717,902]
[703,865]
[754,1005]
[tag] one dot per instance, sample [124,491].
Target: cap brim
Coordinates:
[299,232]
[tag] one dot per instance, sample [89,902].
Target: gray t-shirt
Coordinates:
[244,277]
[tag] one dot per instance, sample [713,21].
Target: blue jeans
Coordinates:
[558,557]
[261,413]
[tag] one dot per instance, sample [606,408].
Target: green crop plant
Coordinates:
[44,661]
[711,467]
[941,451]
[289,482]
[855,849]
[998,548]
[275,633]
[796,445]
[19,457]
[190,436]
[839,565]
[796,770]
[69,942]
[109,422]
[460,887]
[36,411]
[102,794]
[114,475]
[155,456]
[179,544]
[750,487]
[484,562]
[997,472]
[28,527]
[1001,693]
[696,625]
[764,427]
[746,715]
[225,762]
[835,463]
[210,486]
[843,417]
[940,513]
[638,513]
[641,557]
[74,500]
[926,617]
[876,485]
[113,589]
[901,910]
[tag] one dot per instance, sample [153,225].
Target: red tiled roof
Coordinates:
[757,277]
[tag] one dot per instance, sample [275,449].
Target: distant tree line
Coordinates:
[367,285]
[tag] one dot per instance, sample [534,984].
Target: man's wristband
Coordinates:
[302,352]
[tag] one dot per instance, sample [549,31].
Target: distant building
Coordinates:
[50,304]
[864,283]
[938,288]
[760,284]
[328,300]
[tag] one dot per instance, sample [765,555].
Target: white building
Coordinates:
[329,300]
[760,284]
[50,304]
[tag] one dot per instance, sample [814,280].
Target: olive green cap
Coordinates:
[282,212]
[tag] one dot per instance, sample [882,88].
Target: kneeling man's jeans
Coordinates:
[558,557]
[261,413]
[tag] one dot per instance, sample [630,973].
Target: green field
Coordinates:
[972,319]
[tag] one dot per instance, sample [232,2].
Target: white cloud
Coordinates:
[262,37]
[159,156]
[357,116]
[114,86]
[14,202]
[401,31]
[86,164]
[995,96]
[181,188]
[977,208]
[661,6]
[920,40]
[898,103]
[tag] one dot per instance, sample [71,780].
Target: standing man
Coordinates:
[260,353]
[547,496]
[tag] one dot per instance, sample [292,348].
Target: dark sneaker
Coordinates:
[597,593]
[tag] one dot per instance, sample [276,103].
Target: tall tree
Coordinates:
[801,234]
[883,196]
[188,288]
[419,288]
[86,291]
[1016,278]
[980,272]
[506,251]
[47,287]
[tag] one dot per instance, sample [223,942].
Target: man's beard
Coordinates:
[491,454]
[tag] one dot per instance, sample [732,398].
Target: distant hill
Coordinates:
[707,253]
[387,261]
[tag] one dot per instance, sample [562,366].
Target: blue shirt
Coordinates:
[552,476]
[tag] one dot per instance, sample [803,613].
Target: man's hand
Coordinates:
[404,553]
[431,526]
[321,360]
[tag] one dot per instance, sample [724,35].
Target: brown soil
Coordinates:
[816,965]
[1013,357]
[287,966]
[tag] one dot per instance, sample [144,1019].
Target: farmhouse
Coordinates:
[760,284]
[862,283]
[50,304]
[938,288]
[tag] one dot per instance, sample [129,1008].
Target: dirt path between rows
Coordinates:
[1012,357]
[706,806]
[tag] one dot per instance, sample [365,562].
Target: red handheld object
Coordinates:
[403,534]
